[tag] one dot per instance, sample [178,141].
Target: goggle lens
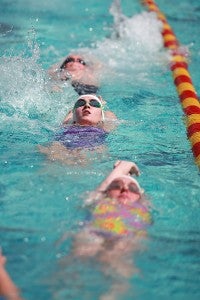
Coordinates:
[92,102]
[117,185]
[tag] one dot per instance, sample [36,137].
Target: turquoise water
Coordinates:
[42,200]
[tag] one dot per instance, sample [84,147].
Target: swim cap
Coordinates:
[90,95]
[141,191]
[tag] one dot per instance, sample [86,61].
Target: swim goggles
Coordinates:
[133,187]
[72,59]
[92,102]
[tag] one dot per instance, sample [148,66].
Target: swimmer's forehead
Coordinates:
[89,96]
[128,179]
[124,179]
[82,57]
[75,55]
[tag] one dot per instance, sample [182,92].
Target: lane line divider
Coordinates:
[182,80]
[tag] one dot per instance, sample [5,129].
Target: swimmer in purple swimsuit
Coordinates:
[88,131]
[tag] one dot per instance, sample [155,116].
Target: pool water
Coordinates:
[41,200]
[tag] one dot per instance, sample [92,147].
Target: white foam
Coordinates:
[26,95]
[139,37]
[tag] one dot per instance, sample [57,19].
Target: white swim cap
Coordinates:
[90,95]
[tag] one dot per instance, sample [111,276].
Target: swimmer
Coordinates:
[119,219]
[8,290]
[87,131]
[83,74]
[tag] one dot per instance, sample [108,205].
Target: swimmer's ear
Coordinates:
[134,170]
[116,163]
[102,100]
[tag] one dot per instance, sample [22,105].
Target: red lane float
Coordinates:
[182,80]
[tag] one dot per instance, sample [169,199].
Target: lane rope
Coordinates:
[182,80]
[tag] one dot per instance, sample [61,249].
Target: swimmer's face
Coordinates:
[74,62]
[87,111]
[124,190]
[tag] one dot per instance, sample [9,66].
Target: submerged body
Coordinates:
[118,222]
[75,136]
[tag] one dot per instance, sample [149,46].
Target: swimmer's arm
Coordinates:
[56,77]
[7,286]
[110,119]
[110,115]
[55,68]
[56,73]
[120,168]
[68,117]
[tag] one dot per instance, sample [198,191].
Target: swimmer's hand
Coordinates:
[2,259]
[64,75]
[121,167]
[127,167]
[7,287]
[68,118]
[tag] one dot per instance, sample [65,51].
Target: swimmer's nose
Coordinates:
[86,105]
[124,188]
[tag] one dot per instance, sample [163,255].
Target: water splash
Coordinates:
[135,44]
[25,90]
[119,18]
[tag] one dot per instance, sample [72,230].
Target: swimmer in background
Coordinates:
[8,290]
[82,73]
[87,131]
[119,219]
[84,77]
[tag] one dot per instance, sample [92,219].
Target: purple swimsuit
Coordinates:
[76,136]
